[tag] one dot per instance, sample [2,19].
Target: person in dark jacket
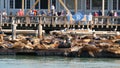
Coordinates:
[99,13]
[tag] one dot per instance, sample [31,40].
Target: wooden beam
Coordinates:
[67,10]
[23,5]
[49,5]
[76,7]
[61,2]
[33,6]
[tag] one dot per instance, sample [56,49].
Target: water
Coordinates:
[57,62]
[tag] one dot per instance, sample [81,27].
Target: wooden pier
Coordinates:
[49,23]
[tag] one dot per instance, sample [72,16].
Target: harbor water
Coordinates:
[57,62]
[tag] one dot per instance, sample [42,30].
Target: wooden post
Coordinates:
[40,31]
[67,10]
[33,6]
[48,5]
[61,2]
[103,7]
[23,5]
[76,3]
[13,30]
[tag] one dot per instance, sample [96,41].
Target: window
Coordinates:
[11,4]
[18,4]
[4,4]
[87,4]
[97,4]
[106,4]
[69,4]
[114,4]
[119,4]
[44,4]
[79,4]
[28,4]
[54,2]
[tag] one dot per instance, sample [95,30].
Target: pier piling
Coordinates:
[13,30]
[40,31]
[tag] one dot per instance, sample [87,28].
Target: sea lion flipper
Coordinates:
[91,53]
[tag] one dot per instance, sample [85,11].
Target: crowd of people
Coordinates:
[52,12]
[110,13]
[32,12]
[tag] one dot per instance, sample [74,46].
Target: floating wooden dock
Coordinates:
[56,52]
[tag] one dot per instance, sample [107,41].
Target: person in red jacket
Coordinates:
[96,14]
[35,12]
[20,12]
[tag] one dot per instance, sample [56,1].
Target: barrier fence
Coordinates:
[59,20]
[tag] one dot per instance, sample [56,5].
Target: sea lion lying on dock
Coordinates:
[114,50]
[52,46]
[91,50]
[21,45]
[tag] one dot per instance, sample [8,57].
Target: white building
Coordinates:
[83,5]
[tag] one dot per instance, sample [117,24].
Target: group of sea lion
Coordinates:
[91,44]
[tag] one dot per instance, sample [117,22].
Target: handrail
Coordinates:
[59,19]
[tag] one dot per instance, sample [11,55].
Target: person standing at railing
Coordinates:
[35,14]
[99,13]
[96,15]
[100,20]
[56,18]
[115,15]
[31,14]
[112,15]
[43,14]
[10,18]
[89,20]
[20,13]
[52,9]
[4,14]
[62,14]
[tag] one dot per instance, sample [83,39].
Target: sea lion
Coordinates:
[91,50]
[52,46]
[18,45]
[114,50]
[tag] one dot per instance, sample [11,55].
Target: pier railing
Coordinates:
[106,20]
[59,20]
[35,19]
